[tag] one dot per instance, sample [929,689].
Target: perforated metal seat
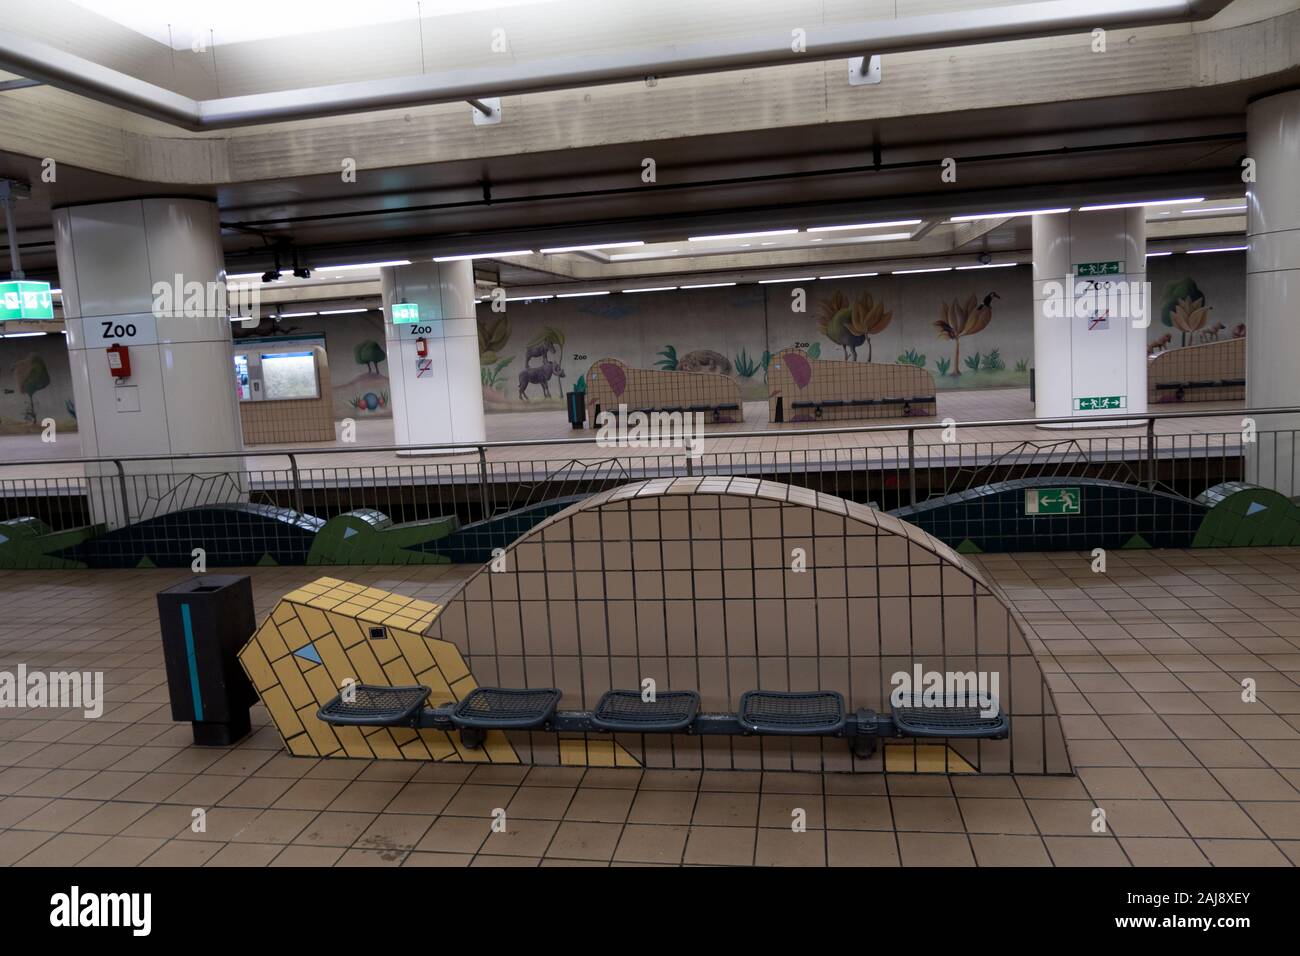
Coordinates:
[949,722]
[373,706]
[624,710]
[780,712]
[488,708]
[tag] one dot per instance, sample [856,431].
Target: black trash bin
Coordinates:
[577,409]
[205,622]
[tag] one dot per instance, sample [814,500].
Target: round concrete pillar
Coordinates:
[1091,307]
[432,344]
[148,275]
[1273,287]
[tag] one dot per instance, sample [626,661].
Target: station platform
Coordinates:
[1145,664]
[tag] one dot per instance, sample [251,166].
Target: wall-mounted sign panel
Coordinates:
[1100,403]
[1098,268]
[1053,501]
[405,313]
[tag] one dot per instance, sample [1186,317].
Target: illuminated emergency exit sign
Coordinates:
[405,313]
[1088,269]
[26,300]
[1053,501]
[1100,403]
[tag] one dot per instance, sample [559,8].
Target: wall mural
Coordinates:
[37,384]
[1196,310]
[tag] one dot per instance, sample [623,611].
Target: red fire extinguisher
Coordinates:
[422,347]
[119,361]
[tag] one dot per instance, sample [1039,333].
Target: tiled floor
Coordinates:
[1145,660]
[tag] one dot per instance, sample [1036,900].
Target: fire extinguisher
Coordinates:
[422,347]
[119,361]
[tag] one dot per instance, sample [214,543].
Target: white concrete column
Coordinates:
[437,397]
[1088,356]
[180,395]
[1273,287]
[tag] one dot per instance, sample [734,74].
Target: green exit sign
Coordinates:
[1053,501]
[26,300]
[405,313]
[1098,268]
[1100,403]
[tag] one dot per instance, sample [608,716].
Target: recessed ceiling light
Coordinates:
[796,279]
[341,311]
[368,265]
[592,246]
[657,288]
[580,295]
[644,255]
[851,275]
[1154,255]
[1198,252]
[522,298]
[1010,215]
[295,315]
[908,272]
[708,285]
[1144,202]
[744,235]
[989,265]
[483,255]
[866,225]
[1204,209]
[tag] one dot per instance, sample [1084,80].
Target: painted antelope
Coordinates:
[541,350]
[539,375]
[1211,333]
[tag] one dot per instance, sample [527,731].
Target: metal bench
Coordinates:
[628,711]
[372,706]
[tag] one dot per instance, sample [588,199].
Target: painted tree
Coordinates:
[31,375]
[869,318]
[961,319]
[1189,315]
[369,353]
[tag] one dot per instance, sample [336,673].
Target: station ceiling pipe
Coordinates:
[39,61]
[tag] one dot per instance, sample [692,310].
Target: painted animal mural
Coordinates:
[539,375]
[849,325]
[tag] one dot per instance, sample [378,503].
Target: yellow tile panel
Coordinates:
[292,681]
[257,666]
[282,712]
[268,636]
[322,734]
[314,621]
[449,660]
[367,666]
[414,649]
[294,634]
[348,630]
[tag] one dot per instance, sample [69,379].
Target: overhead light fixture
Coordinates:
[796,279]
[1010,215]
[743,235]
[1144,202]
[341,311]
[908,272]
[866,225]
[20,335]
[1200,252]
[522,298]
[294,315]
[244,275]
[851,275]
[593,246]
[1156,255]
[366,265]
[657,288]
[989,265]
[484,255]
[708,285]
[56,292]
[1204,209]
[580,295]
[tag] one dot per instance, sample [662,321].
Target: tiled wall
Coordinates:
[1191,369]
[294,420]
[610,383]
[798,386]
[690,582]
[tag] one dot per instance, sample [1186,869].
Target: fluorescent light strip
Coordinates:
[1145,202]
[484,255]
[707,285]
[580,295]
[1010,215]
[294,315]
[1204,209]
[363,265]
[908,272]
[989,265]
[1200,252]
[595,245]
[244,275]
[657,288]
[1156,255]
[796,279]
[20,335]
[866,225]
[342,311]
[744,235]
[851,275]
[521,298]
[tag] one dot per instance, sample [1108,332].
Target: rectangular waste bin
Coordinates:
[577,409]
[205,622]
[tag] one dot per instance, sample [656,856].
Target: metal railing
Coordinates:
[888,465]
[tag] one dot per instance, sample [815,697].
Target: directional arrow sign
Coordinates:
[1053,501]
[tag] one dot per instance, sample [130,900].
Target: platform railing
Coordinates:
[888,465]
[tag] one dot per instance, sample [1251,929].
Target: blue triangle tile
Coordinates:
[308,652]
[1255,508]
